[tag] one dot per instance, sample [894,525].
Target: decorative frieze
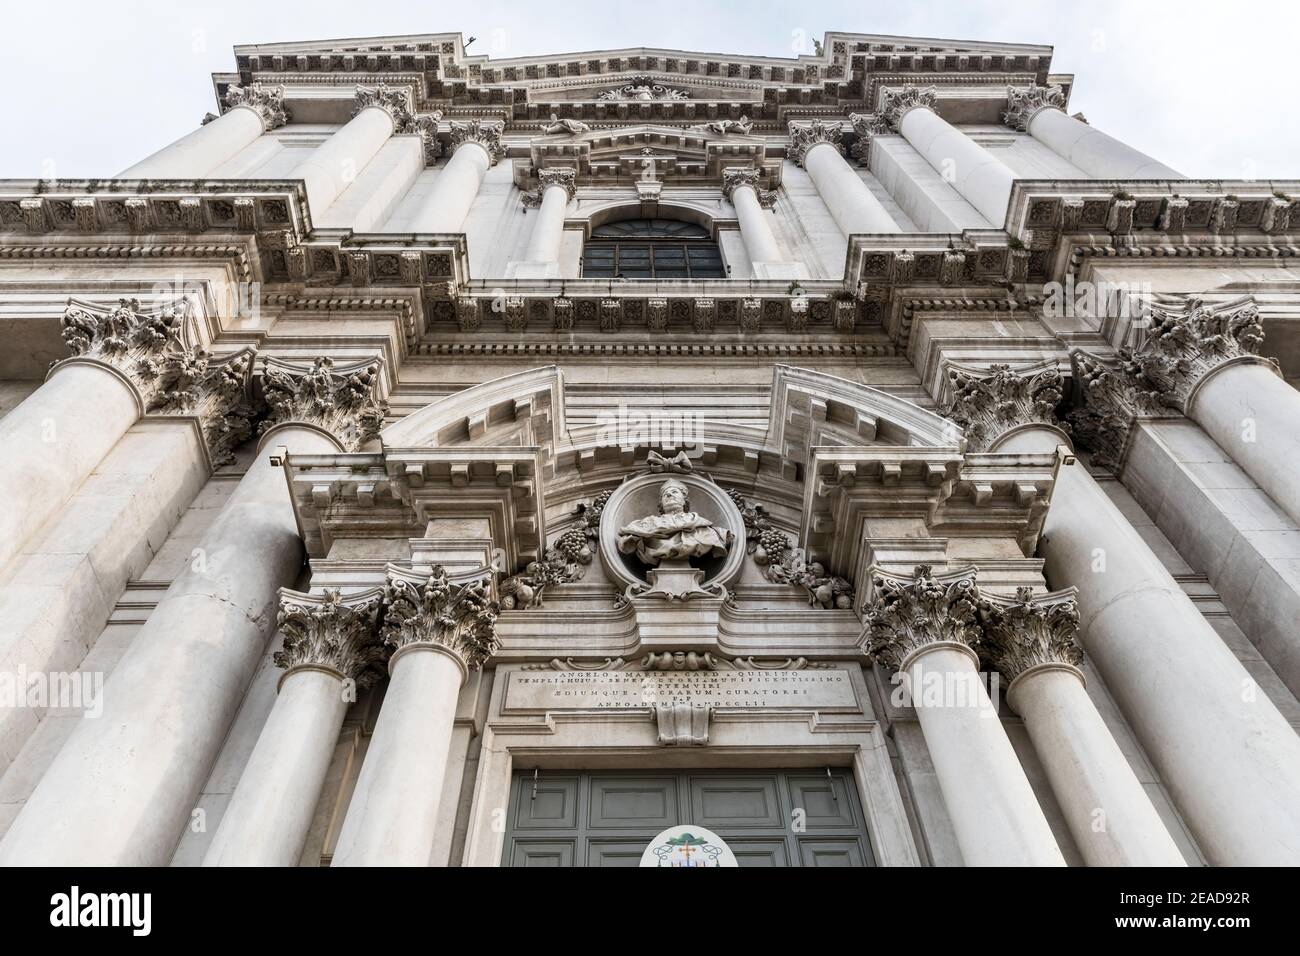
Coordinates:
[804,136]
[328,631]
[342,401]
[907,616]
[987,407]
[397,103]
[484,133]
[734,178]
[266,101]
[561,177]
[1026,633]
[460,618]
[896,104]
[1024,105]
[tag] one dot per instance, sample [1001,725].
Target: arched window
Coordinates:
[651,249]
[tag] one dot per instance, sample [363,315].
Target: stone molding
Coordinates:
[896,104]
[990,406]
[397,102]
[1027,632]
[331,632]
[907,616]
[564,177]
[804,136]
[485,133]
[266,101]
[343,401]
[431,610]
[1024,105]
[735,177]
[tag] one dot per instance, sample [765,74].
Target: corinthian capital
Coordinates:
[486,134]
[460,618]
[396,102]
[424,126]
[342,401]
[1026,632]
[908,615]
[736,177]
[987,407]
[804,136]
[1110,403]
[866,127]
[895,104]
[266,101]
[331,632]
[1024,105]
[560,176]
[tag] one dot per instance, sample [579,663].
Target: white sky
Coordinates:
[1208,87]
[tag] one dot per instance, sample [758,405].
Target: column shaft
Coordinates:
[454,190]
[1254,415]
[853,206]
[53,440]
[196,154]
[1109,814]
[334,164]
[123,785]
[548,229]
[393,815]
[1094,152]
[994,813]
[271,810]
[754,226]
[974,172]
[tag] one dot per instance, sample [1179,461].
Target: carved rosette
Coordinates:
[1186,342]
[149,349]
[396,102]
[424,126]
[484,133]
[460,618]
[266,101]
[1028,632]
[907,616]
[988,406]
[1024,105]
[866,127]
[805,136]
[563,177]
[332,632]
[895,104]
[342,401]
[734,178]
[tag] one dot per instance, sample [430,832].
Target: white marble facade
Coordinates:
[329,461]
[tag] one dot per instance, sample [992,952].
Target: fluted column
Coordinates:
[556,188]
[124,785]
[438,632]
[252,111]
[330,648]
[1040,112]
[1204,361]
[1031,642]
[333,165]
[741,186]
[926,628]
[476,148]
[815,147]
[1229,758]
[981,178]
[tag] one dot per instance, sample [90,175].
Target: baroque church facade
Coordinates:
[442,460]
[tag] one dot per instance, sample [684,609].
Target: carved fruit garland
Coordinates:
[564,561]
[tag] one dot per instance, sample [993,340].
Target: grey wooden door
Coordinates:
[768,818]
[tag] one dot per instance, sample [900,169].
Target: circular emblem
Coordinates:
[688,845]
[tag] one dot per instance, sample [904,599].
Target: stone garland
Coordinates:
[783,563]
[564,562]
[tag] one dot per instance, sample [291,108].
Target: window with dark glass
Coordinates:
[651,249]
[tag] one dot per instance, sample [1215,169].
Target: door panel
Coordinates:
[825,802]
[633,802]
[736,802]
[543,853]
[552,804]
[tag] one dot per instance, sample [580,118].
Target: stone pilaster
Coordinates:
[266,101]
[1108,406]
[805,136]
[484,133]
[330,632]
[1024,105]
[424,126]
[396,102]
[908,616]
[988,407]
[459,618]
[866,127]
[896,104]
[735,177]
[1026,633]
[342,401]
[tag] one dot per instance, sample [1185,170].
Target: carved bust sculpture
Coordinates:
[674,534]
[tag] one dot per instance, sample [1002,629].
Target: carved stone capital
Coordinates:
[484,133]
[1024,105]
[895,104]
[987,407]
[804,136]
[735,177]
[342,401]
[396,102]
[1109,404]
[866,127]
[907,616]
[563,177]
[331,632]
[266,101]
[460,618]
[1030,632]
[424,126]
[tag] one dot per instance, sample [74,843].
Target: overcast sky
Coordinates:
[1207,87]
